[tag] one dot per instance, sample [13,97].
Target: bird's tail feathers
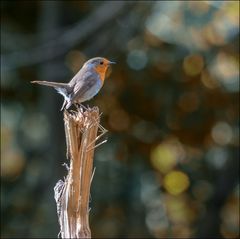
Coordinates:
[62,88]
[52,84]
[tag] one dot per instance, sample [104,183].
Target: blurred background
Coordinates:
[171,107]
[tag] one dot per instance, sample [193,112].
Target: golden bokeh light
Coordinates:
[163,158]
[12,157]
[12,163]
[166,155]
[176,182]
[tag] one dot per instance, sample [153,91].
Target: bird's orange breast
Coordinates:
[101,71]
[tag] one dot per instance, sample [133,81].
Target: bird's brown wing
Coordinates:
[79,77]
[88,80]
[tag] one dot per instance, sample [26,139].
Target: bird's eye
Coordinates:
[101,63]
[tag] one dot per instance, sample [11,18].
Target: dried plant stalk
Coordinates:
[72,196]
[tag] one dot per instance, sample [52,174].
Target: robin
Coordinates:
[84,85]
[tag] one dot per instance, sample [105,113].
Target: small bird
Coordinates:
[84,85]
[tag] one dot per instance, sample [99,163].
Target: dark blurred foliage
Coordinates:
[171,105]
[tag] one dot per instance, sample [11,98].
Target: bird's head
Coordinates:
[100,65]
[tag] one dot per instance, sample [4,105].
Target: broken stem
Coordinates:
[72,196]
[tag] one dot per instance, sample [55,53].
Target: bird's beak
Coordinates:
[111,62]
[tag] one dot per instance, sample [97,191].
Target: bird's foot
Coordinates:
[83,106]
[80,106]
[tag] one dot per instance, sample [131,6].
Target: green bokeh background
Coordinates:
[170,166]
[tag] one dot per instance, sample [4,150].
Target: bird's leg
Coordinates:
[84,107]
[80,106]
[63,105]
